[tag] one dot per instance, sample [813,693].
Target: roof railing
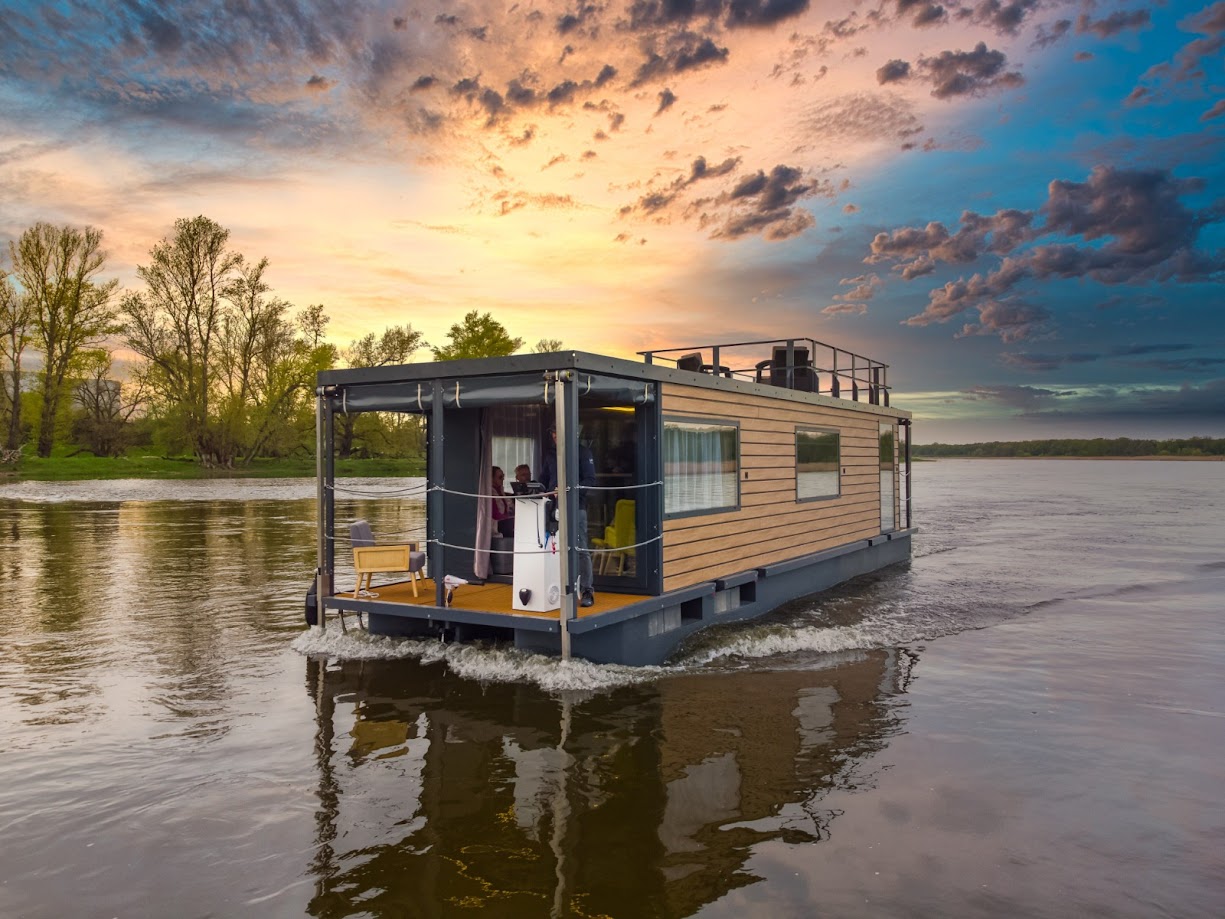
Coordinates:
[801,364]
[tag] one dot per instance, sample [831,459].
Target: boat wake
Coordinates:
[483,663]
[812,634]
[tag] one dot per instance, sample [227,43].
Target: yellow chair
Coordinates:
[618,536]
[369,559]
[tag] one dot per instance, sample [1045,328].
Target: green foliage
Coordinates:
[379,433]
[1099,446]
[56,268]
[102,423]
[478,335]
[227,371]
[548,346]
[137,463]
[16,332]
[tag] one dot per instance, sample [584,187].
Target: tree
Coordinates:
[548,346]
[15,334]
[312,321]
[479,335]
[228,373]
[103,424]
[56,266]
[175,326]
[396,345]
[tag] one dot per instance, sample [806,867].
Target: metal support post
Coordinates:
[906,425]
[567,462]
[435,479]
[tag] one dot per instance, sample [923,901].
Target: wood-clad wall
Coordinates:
[770,525]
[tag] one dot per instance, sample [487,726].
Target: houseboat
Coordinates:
[703,485]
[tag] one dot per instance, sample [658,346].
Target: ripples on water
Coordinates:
[173,735]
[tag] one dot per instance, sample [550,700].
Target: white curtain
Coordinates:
[700,466]
[484,505]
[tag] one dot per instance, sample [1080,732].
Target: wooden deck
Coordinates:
[489,597]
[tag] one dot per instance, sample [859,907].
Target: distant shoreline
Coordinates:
[1178,459]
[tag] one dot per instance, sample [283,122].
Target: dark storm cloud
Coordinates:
[892,72]
[423,83]
[1181,365]
[1116,22]
[562,92]
[1002,18]
[662,199]
[584,17]
[968,73]
[1026,398]
[1025,360]
[1011,320]
[1137,226]
[519,95]
[138,38]
[759,203]
[648,15]
[998,233]
[1134,350]
[1044,37]
[763,204]
[1186,73]
[319,84]
[929,14]
[164,36]
[762,12]
[680,52]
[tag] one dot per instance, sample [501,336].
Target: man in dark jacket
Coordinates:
[586,477]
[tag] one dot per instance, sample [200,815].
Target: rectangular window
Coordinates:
[818,462]
[701,467]
[888,465]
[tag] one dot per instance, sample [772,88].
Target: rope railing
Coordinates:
[379,493]
[470,494]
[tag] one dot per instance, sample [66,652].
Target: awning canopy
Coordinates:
[477,392]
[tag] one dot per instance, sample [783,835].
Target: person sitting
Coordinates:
[523,474]
[503,507]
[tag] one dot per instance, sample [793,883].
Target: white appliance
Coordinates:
[537,575]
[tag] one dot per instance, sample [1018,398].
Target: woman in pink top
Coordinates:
[503,508]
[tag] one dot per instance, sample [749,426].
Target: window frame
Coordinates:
[663,460]
[817,429]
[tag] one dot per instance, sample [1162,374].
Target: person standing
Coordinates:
[586,477]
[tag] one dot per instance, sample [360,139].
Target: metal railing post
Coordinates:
[567,461]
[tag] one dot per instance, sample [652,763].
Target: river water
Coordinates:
[1027,719]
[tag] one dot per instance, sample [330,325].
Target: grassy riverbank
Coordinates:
[143,466]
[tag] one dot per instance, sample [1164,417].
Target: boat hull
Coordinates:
[649,630]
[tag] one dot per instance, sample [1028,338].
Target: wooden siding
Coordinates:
[770,525]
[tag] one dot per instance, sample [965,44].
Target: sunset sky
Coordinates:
[1017,204]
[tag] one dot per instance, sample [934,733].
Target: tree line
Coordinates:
[1097,446]
[214,364]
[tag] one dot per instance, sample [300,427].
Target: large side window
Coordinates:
[818,462]
[701,466]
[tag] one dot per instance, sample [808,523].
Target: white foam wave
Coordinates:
[479,662]
[755,644]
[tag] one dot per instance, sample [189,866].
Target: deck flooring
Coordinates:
[490,597]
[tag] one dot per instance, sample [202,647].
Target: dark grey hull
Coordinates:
[648,631]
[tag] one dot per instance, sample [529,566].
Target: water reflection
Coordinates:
[437,793]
